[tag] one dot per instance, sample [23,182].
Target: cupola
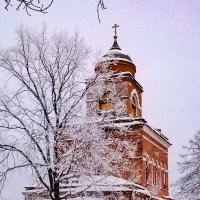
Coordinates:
[116,53]
[123,61]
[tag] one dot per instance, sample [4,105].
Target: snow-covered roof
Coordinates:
[98,183]
[128,74]
[107,120]
[143,191]
[127,121]
[120,122]
[169,197]
[116,54]
[93,188]
[99,180]
[157,198]
[86,198]
[157,135]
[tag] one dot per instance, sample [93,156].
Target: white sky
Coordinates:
[161,37]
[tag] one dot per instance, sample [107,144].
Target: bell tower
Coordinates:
[151,160]
[124,69]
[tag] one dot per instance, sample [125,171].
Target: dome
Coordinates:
[116,53]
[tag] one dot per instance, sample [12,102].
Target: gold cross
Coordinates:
[115,27]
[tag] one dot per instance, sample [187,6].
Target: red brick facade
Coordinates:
[152,146]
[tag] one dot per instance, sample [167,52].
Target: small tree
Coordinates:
[188,185]
[41,123]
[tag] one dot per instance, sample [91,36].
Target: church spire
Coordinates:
[115,44]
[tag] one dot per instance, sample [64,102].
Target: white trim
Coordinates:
[110,57]
[155,136]
[134,91]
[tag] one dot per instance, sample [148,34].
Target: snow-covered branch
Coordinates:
[188,185]
[54,121]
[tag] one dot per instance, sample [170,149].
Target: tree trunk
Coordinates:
[57,191]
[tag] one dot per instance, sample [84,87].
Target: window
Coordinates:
[155,173]
[134,100]
[165,180]
[104,102]
[147,171]
[134,105]
[159,178]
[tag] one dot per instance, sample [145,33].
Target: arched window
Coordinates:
[135,100]
[165,178]
[155,174]
[147,171]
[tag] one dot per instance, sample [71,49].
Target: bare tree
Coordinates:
[46,98]
[41,114]
[188,185]
[29,5]
[42,6]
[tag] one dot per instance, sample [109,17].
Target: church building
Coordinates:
[152,145]
[151,159]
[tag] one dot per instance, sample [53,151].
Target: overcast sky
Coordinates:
[163,39]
